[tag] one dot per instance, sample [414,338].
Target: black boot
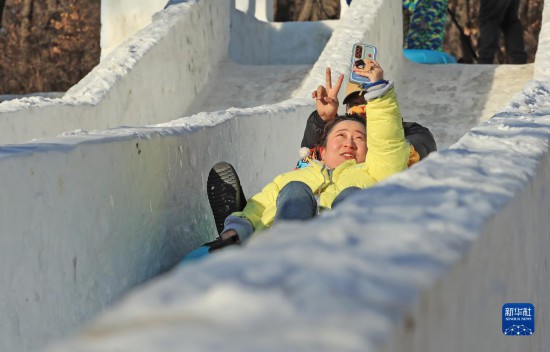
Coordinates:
[224,192]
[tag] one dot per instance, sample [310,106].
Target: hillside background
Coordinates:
[49,45]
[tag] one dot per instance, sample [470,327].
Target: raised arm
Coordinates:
[388,152]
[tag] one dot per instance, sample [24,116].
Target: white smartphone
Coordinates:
[359,54]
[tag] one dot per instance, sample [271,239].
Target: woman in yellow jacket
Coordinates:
[344,168]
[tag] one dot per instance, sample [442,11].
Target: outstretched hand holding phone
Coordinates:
[371,70]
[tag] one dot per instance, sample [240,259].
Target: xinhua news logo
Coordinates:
[518,319]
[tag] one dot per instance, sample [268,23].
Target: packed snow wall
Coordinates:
[115,199]
[504,219]
[180,53]
[168,62]
[87,216]
[121,19]
[261,9]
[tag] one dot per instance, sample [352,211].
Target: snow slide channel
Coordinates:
[110,193]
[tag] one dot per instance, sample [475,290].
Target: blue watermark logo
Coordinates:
[518,319]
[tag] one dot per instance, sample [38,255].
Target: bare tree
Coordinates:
[48,45]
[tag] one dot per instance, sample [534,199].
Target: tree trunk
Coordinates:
[306,12]
[2,3]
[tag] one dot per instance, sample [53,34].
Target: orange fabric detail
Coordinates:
[414,157]
[358,109]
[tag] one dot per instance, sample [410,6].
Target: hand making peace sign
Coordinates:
[327,98]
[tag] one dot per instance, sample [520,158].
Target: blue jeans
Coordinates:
[297,202]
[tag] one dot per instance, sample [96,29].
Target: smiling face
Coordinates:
[346,141]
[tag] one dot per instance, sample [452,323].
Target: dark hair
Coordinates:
[339,118]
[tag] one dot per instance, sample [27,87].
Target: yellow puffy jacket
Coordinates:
[388,153]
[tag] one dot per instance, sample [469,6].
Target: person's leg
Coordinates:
[406,20]
[295,202]
[513,34]
[343,195]
[225,193]
[438,17]
[417,27]
[491,15]
[426,28]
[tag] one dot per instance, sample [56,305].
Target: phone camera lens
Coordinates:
[358,52]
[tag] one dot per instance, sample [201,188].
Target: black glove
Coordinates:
[220,243]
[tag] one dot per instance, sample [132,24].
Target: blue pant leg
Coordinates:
[295,202]
[343,195]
